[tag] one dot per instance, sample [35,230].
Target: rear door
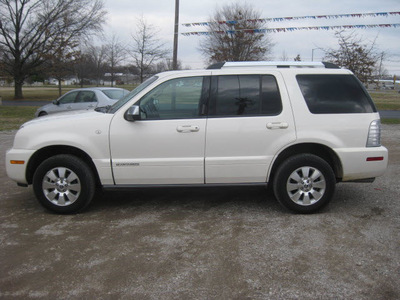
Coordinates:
[85,100]
[250,120]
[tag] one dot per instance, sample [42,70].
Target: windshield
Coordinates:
[117,105]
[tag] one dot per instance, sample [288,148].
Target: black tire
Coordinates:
[42,113]
[304,183]
[64,184]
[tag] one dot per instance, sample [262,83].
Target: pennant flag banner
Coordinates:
[356,15]
[290,29]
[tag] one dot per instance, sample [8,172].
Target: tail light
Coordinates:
[374,134]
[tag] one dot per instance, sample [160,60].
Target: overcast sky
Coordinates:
[122,15]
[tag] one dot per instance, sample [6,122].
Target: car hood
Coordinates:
[69,116]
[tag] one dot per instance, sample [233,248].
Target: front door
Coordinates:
[167,145]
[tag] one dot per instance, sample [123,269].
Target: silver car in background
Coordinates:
[81,99]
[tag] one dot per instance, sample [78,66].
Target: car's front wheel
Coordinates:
[64,184]
[304,183]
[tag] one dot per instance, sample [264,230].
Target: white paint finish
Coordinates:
[155,152]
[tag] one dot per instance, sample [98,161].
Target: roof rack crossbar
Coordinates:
[273,64]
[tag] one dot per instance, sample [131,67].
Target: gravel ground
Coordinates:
[231,243]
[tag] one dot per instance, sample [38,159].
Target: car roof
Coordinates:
[97,89]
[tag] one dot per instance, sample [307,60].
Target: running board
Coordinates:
[140,186]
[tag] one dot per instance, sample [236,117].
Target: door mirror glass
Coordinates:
[132,114]
[55,102]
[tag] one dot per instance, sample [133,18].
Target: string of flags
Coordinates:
[291,29]
[354,15]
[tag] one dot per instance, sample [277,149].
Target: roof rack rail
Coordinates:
[273,64]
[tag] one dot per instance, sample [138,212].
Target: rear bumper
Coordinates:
[363,163]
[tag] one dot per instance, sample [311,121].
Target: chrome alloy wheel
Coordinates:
[61,186]
[306,186]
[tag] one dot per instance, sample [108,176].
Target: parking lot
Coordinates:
[213,243]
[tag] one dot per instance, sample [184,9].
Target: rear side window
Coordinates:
[245,95]
[335,94]
[86,96]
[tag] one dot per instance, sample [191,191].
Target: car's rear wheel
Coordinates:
[304,183]
[64,184]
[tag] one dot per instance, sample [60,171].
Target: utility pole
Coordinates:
[312,54]
[176,33]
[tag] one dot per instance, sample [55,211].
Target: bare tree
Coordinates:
[147,49]
[354,54]
[167,65]
[98,58]
[60,61]
[235,35]
[284,56]
[115,53]
[30,31]
[83,67]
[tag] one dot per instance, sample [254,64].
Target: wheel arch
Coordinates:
[319,150]
[41,155]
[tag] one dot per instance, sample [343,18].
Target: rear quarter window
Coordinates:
[334,94]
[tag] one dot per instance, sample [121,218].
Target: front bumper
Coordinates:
[16,164]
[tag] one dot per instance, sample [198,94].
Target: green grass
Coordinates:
[12,117]
[44,93]
[386,100]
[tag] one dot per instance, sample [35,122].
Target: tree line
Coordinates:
[57,38]
[41,38]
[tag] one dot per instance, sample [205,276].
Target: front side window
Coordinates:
[334,94]
[68,98]
[121,102]
[174,99]
[245,95]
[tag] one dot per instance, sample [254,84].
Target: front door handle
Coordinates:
[187,128]
[277,125]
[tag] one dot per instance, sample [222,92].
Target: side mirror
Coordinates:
[55,102]
[132,114]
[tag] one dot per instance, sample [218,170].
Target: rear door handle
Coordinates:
[277,125]
[187,128]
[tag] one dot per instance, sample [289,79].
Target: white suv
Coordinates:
[300,126]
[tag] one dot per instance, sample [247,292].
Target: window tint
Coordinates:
[86,96]
[68,98]
[334,94]
[238,95]
[174,99]
[270,97]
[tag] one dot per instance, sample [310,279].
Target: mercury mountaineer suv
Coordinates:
[301,127]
